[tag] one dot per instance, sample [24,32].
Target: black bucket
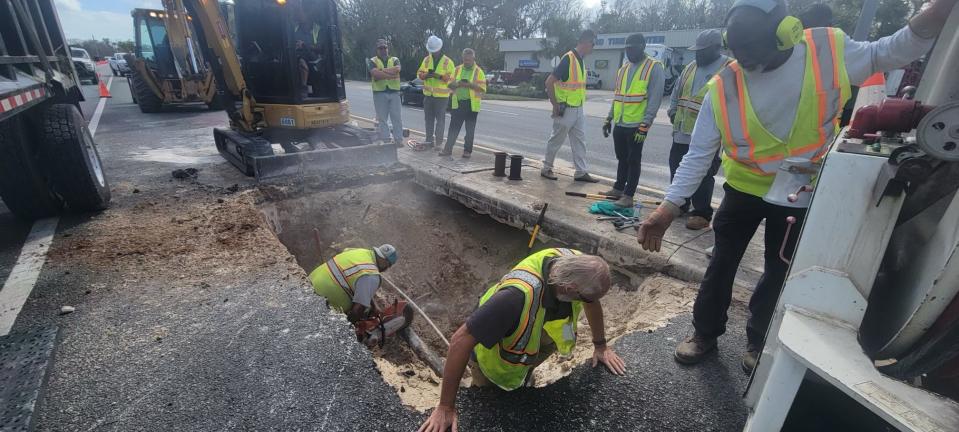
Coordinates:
[499,164]
[515,167]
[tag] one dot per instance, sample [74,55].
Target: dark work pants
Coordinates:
[462,113]
[629,154]
[703,197]
[734,225]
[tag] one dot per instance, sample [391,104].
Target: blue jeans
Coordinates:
[388,107]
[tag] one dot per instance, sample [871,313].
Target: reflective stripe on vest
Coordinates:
[629,98]
[689,103]
[476,97]
[751,154]
[572,92]
[337,277]
[437,87]
[380,85]
[507,363]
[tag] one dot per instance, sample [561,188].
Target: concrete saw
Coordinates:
[374,330]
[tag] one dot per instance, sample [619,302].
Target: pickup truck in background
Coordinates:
[118,64]
[86,68]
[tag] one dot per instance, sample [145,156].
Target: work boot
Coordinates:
[614,193]
[750,359]
[548,174]
[625,201]
[586,178]
[466,155]
[445,153]
[694,349]
[697,223]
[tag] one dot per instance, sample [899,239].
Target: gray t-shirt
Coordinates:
[365,288]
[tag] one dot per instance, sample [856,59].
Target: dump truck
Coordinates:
[48,159]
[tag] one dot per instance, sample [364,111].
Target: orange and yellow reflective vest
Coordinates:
[572,92]
[436,87]
[335,279]
[629,98]
[479,78]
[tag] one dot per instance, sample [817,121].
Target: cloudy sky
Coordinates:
[83,19]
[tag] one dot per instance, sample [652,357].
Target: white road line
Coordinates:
[16,290]
[25,273]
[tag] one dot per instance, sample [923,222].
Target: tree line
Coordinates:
[481,24]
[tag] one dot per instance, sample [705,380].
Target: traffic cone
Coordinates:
[104,92]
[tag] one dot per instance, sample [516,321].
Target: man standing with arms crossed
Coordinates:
[385,74]
[436,71]
[566,88]
[781,98]
[684,107]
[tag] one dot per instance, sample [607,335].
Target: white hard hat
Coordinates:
[434,44]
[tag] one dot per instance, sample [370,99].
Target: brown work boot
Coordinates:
[697,223]
[750,359]
[694,349]
[613,193]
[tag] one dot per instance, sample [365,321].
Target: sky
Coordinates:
[85,19]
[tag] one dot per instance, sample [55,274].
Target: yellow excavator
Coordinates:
[278,66]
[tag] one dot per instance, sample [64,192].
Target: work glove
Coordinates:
[640,136]
[607,127]
[651,231]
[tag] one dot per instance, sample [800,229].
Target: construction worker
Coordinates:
[566,88]
[468,86]
[781,98]
[531,313]
[385,78]
[436,71]
[349,280]
[640,83]
[684,107]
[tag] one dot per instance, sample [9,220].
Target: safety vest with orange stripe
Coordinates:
[436,87]
[335,279]
[630,98]
[478,78]
[751,154]
[689,102]
[508,362]
[572,92]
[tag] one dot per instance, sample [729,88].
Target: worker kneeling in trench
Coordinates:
[531,313]
[349,280]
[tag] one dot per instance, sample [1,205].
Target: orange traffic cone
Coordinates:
[104,92]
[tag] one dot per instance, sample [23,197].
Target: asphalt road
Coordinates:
[524,130]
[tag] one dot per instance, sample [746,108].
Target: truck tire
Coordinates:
[71,157]
[24,187]
[133,94]
[144,96]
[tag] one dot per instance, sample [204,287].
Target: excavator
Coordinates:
[278,69]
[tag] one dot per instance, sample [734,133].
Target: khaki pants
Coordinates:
[546,348]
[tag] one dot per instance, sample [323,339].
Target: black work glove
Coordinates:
[640,136]
[607,128]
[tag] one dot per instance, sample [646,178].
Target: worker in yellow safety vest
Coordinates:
[385,80]
[350,279]
[640,84]
[468,86]
[566,89]
[684,107]
[436,70]
[780,101]
[530,313]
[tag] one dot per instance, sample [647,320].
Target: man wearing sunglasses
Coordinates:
[531,313]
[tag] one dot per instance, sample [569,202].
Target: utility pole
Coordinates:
[866,17]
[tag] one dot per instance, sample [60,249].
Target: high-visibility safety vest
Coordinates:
[336,278]
[751,154]
[479,78]
[381,85]
[437,87]
[508,362]
[572,92]
[690,101]
[630,98]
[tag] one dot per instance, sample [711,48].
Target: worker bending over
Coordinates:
[436,70]
[349,280]
[640,83]
[684,107]
[531,313]
[781,98]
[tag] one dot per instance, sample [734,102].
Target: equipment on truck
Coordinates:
[166,67]
[48,158]
[870,305]
[280,79]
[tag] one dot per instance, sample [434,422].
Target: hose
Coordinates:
[416,308]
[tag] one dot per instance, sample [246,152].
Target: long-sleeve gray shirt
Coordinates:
[775,100]
[654,93]
[702,76]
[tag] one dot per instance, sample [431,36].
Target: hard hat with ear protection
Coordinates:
[789,30]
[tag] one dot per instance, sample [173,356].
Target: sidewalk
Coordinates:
[597,105]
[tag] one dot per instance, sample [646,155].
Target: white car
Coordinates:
[119,65]
[592,80]
[86,69]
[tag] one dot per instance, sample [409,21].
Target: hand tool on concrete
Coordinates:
[607,197]
[539,223]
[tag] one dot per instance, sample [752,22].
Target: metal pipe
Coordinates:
[416,308]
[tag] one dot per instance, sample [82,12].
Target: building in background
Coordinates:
[668,47]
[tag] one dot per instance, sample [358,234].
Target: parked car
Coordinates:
[496,78]
[592,80]
[119,65]
[86,69]
[411,93]
[520,75]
